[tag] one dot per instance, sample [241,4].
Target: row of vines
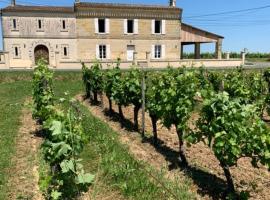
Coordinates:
[232,106]
[64,138]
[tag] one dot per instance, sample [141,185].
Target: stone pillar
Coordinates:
[182,51]
[227,55]
[148,58]
[219,49]
[243,56]
[135,61]
[197,51]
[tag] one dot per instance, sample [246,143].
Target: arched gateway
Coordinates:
[41,51]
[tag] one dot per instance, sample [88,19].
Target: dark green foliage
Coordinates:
[42,91]
[232,130]
[64,139]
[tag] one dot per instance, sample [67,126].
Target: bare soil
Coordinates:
[24,176]
[204,171]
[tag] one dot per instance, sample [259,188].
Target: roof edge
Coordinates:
[216,35]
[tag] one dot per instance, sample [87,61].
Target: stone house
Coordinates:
[66,36]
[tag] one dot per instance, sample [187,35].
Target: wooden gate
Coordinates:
[41,51]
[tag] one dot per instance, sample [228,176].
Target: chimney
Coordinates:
[13,3]
[173,3]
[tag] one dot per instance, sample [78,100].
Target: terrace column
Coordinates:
[197,50]
[182,51]
[219,49]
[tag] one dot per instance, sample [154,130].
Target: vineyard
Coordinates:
[231,116]
[111,134]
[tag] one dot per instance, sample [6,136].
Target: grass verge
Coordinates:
[135,180]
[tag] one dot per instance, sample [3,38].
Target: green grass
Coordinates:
[105,156]
[12,97]
[121,170]
[15,87]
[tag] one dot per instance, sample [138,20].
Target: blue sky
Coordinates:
[249,29]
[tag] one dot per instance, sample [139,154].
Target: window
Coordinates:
[102,51]
[130,26]
[65,51]
[64,24]
[39,24]
[157,26]
[16,51]
[157,53]
[14,24]
[101,25]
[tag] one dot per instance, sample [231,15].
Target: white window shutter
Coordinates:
[153,52]
[163,51]
[136,26]
[107,22]
[153,26]
[163,26]
[108,51]
[97,52]
[125,26]
[96,25]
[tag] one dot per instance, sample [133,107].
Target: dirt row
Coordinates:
[24,176]
[207,178]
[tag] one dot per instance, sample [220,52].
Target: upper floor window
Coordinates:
[131,26]
[40,25]
[158,27]
[102,25]
[14,24]
[64,24]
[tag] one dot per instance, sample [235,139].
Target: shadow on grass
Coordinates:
[207,183]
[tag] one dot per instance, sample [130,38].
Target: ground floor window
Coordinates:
[16,51]
[65,51]
[102,51]
[157,53]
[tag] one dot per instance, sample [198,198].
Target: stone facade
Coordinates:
[70,35]
[24,31]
